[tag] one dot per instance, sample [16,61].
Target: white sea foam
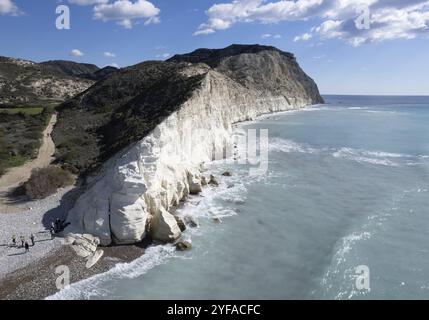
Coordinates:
[91,287]
[363,156]
[358,108]
[288,146]
[383,158]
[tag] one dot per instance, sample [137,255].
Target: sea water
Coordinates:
[341,213]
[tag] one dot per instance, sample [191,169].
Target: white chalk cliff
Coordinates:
[131,195]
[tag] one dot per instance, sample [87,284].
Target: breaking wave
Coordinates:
[359,155]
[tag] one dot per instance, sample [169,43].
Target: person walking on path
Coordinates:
[32,240]
[27,247]
[22,240]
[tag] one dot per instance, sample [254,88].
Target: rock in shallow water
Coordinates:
[180,223]
[227,174]
[194,181]
[183,246]
[213,181]
[192,222]
[217,220]
[164,227]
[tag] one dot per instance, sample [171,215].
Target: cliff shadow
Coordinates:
[61,211]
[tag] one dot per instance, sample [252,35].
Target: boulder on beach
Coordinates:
[183,246]
[94,258]
[204,181]
[164,226]
[84,245]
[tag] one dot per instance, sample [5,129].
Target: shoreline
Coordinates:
[37,281]
[40,277]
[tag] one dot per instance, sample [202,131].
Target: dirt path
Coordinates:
[15,176]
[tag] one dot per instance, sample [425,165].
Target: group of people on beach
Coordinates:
[24,243]
[56,226]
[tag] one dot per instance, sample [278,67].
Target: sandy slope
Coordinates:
[15,176]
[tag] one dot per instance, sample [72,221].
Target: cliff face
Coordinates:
[212,89]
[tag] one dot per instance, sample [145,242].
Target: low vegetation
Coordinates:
[31,111]
[46,181]
[21,133]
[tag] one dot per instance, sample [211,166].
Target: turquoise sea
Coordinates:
[347,186]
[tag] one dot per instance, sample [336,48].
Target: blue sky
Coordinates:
[391,57]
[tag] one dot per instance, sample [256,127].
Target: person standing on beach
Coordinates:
[22,240]
[27,247]
[32,240]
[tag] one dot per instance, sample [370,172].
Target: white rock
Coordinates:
[164,227]
[84,245]
[194,180]
[94,258]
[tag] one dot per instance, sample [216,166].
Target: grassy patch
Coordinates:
[31,111]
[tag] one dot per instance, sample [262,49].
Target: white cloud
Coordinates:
[8,7]
[303,37]
[389,19]
[125,11]
[87,2]
[109,54]
[115,65]
[163,55]
[268,35]
[76,53]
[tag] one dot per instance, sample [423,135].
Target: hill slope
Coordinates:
[79,70]
[25,82]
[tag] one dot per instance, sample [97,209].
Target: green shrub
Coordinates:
[46,181]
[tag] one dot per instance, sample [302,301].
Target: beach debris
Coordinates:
[183,246]
[213,181]
[94,258]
